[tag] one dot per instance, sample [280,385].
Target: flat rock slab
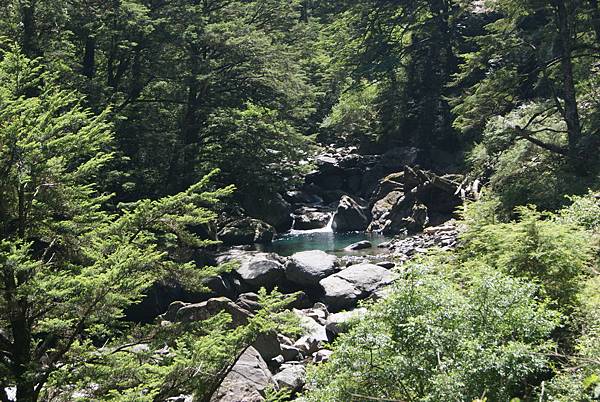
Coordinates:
[247,380]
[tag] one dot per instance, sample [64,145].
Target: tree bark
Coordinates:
[595,14]
[89,57]
[29,42]
[571,112]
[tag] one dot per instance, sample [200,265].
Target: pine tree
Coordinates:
[70,265]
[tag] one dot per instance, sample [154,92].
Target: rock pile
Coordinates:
[274,360]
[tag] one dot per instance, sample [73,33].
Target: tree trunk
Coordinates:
[571,113]
[29,42]
[89,57]
[595,14]
[22,367]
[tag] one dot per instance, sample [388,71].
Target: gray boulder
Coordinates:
[351,215]
[392,182]
[314,334]
[292,378]
[309,267]
[309,220]
[248,301]
[398,212]
[171,313]
[339,322]
[261,270]
[267,345]
[290,353]
[247,381]
[301,197]
[272,209]
[210,308]
[344,289]
[322,356]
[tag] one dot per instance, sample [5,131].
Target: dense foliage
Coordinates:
[129,127]
[493,320]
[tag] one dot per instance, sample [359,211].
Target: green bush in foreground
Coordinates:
[553,253]
[439,339]
[579,378]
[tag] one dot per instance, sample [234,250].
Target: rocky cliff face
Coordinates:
[379,193]
[385,193]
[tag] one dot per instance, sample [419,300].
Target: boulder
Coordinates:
[302,300]
[333,196]
[307,268]
[361,245]
[246,231]
[311,220]
[338,322]
[171,313]
[247,381]
[351,215]
[344,289]
[318,313]
[272,209]
[314,334]
[390,212]
[302,197]
[180,398]
[392,182]
[292,378]
[327,181]
[225,284]
[418,219]
[248,301]
[261,270]
[398,212]
[210,308]
[290,353]
[322,356]
[267,344]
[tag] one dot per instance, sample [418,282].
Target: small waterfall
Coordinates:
[329,227]
[326,229]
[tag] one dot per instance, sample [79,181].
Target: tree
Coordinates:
[71,263]
[407,50]
[533,51]
[121,55]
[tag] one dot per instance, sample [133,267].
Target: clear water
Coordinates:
[295,241]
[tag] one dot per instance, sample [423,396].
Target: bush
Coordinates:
[439,339]
[553,254]
[579,380]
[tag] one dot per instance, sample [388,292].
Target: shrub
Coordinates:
[554,254]
[439,339]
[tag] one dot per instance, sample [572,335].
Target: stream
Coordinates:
[324,239]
